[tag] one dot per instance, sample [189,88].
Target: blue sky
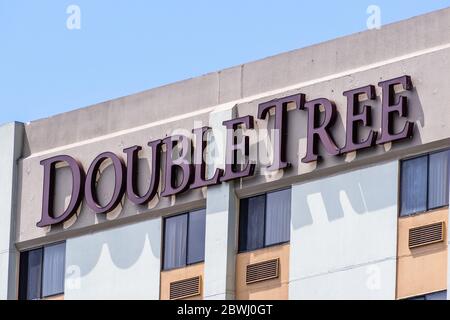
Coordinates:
[129,46]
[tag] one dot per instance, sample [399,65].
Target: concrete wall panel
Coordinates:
[342,223]
[121,263]
[368,282]
[11,135]
[221,224]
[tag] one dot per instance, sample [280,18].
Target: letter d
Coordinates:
[47,217]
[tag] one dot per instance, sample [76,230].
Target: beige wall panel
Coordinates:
[58,297]
[424,269]
[170,276]
[273,289]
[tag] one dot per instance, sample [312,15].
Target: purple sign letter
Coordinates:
[200,180]
[280,127]
[352,142]
[317,130]
[182,163]
[132,173]
[47,217]
[90,192]
[390,107]
[232,148]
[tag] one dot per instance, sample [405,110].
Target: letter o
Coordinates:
[90,194]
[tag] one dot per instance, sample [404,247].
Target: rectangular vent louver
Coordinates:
[262,271]
[426,235]
[185,288]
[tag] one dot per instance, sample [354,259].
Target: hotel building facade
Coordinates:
[340,192]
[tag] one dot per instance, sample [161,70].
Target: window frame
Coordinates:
[239,251]
[427,200]
[163,259]
[42,248]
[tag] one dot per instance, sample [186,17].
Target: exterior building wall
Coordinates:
[427,111]
[344,208]
[32,175]
[120,263]
[324,70]
[11,136]
[344,235]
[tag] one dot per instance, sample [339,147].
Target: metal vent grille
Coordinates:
[185,288]
[262,271]
[426,235]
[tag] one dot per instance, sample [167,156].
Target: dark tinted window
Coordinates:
[53,270]
[414,185]
[42,272]
[196,239]
[278,217]
[264,220]
[184,239]
[175,236]
[441,295]
[424,183]
[438,180]
[30,274]
[251,223]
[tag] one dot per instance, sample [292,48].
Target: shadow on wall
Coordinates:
[415,108]
[104,191]
[362,192]
[415,114]
[125,246]
[352,191]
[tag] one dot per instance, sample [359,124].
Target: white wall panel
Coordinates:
[11,136]
[220,238]
[343,228]
[367,282]
[121,263]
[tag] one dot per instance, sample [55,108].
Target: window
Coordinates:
[441,295]
[42,272]
[184,239]
[265,220]
[424,183]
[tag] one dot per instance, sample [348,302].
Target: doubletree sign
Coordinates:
[180,176]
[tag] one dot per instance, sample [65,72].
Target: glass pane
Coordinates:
[30,274]
[438,180]
[414,185]
[442,295]
[175,236]
[251,223]
[416,298]
[196,242]
[278,217]
[54,270]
